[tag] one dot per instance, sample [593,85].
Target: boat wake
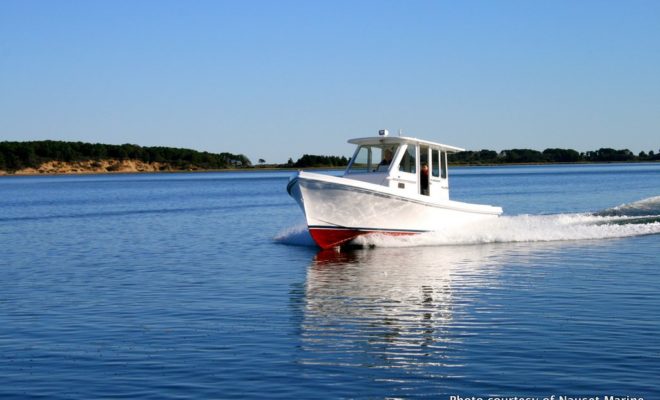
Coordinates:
[633,219]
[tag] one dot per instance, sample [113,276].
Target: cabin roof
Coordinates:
[404,140]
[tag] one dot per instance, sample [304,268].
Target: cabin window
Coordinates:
[408,162]
[372,158]
[423,155]
[435,158]
[443,158]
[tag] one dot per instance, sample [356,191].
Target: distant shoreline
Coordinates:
[116,167]
[48,157]
[107,167]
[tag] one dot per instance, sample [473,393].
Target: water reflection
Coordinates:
[394,307]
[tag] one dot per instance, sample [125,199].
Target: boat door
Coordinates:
[404,175]
[437,175]
[424,171]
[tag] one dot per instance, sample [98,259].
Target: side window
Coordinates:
[361,161]
[408,163]
[423,155]
[443,160]
[376,158]
[372,159]
[435,155]
[385,158]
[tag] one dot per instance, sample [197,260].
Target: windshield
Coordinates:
[372,158]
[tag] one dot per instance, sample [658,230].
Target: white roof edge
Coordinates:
[404,139]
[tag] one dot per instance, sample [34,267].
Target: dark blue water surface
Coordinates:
[206,286]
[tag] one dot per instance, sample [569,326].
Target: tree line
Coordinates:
[311,160]
[515,156]
[18,155]
[512,156]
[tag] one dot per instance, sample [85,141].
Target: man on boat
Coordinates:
[424,179]
[387,157]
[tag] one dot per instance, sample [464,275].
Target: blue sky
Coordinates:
[277,79]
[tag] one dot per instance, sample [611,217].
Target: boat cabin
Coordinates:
[408,164]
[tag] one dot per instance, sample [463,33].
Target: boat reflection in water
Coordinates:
[395,307]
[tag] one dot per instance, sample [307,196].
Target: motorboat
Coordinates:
[393,185]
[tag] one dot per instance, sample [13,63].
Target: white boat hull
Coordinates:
[339,209]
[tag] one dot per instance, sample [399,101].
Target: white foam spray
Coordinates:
[297,235]
[522,228]
[646,207]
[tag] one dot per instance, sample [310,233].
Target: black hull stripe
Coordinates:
[364,229]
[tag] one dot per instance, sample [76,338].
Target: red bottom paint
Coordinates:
[328,238]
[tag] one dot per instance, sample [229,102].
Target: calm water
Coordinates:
[206,286]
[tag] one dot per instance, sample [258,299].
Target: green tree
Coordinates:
[521,156]
[561,155]
[311,160]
